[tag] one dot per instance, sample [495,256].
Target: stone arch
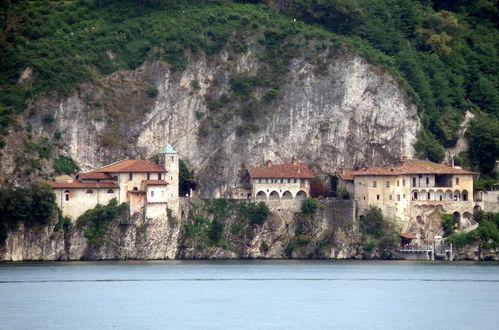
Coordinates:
[261,195]
[439,195]
[477,208]
[464,195]
[287,195]
[448,195]
[457,195]
[415,195]
[66,195]
[135,188]
[274,195]
[301,195]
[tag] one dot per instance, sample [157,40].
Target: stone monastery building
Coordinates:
[147,187]
[415,190]
[283,181]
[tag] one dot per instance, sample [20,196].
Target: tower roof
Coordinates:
[168,149]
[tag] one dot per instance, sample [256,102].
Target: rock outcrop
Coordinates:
[349,113]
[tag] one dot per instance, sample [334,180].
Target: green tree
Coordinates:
[186,179]
[428,147]
[484,144]
[484,94]
[309,206]
[442,32]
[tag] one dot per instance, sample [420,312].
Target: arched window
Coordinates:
[465,195]
[66,195]
[90,191]
[301,195]
[261,195]
[274,195]
[135,188]
[110,191]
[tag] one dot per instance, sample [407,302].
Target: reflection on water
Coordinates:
[248,295]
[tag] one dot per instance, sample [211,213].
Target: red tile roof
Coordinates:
[132,166]
[154,182]
[298,171]
[136,192]
[408,236]
[81,185]
[94,176]
[407,167]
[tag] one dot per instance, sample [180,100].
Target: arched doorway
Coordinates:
[287,195]
[66,195]
[465,195]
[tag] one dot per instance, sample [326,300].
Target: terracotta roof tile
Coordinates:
[95,176]
[82,185]
[408,236]
[136,192]
[154,182]
[298,171]
[132,166]
[407,167]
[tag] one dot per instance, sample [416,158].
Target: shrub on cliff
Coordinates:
[98,219]
[309,206]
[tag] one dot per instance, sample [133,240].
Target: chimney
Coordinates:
[268,163]
[294,160]
[403,160]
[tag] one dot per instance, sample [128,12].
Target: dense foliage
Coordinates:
[186,179]
[221,222]
[35,205]
[96,221]
[309,206]
[444,53]
[486,235]
[378,232]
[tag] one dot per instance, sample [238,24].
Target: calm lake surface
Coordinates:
[249,295]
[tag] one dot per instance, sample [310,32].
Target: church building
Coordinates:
[147,187]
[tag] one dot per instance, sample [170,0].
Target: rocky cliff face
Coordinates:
[330,233]
[345,113]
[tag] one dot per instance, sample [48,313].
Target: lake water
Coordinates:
[249,295]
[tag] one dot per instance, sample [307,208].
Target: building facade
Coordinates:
[282,181]
[143,185]
[413,192]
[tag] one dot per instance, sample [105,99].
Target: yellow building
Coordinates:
[414,193]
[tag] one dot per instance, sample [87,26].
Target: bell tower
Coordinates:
[168,158]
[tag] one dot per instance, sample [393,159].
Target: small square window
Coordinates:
[403,182]
[388,184]
[377,197]
[374,184]
[130,176]
[390,197]
[398,183]
[398,198]
[457,180]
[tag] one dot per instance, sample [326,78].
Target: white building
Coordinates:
[147,187]
[282,181]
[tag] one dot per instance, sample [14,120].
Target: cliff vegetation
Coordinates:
[444,53]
